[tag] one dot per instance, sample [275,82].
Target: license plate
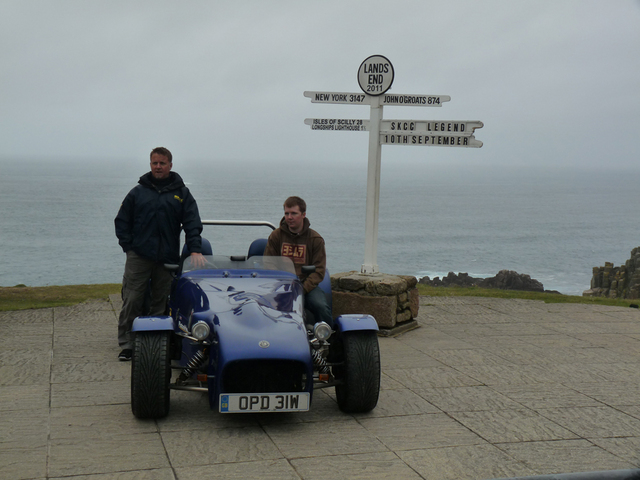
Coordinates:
[264,402]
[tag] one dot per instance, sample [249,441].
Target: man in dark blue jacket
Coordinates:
[148,228]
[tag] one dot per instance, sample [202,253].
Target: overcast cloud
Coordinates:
[555,82]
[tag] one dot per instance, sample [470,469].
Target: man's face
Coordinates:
[294,218]
[160,166]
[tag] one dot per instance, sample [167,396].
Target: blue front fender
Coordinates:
[351,322]
[151,324]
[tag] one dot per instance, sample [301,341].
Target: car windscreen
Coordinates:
[222,262]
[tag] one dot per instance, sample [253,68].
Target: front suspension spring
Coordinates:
[196,361]
[319,361]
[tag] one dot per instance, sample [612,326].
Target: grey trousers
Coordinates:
[138,272]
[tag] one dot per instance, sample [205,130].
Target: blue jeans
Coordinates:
[316,302]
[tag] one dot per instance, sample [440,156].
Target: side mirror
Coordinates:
[308,269]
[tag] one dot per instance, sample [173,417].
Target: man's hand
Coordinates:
[198,260]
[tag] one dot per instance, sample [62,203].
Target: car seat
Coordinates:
[206,249]
[257,247]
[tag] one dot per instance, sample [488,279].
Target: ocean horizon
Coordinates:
[552,224]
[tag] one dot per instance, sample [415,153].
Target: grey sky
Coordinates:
[555,82]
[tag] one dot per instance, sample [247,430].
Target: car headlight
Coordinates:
[322,331]
[200,330]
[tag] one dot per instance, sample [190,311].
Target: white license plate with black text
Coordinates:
[264,402]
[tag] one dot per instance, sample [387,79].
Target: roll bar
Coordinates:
[250,223]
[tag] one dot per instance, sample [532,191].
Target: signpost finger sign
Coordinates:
[375,77]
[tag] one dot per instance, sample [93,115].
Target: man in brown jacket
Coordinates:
[304,246]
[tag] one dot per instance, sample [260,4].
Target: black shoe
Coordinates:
[125,355]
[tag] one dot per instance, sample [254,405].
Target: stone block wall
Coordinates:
[391,299]
[617,282]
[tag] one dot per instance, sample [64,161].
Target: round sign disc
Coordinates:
[375,75]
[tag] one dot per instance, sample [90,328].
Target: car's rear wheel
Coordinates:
[151,374]
[359,373]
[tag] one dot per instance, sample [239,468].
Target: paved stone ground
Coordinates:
[486,388]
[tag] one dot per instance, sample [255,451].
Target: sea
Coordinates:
[554,224]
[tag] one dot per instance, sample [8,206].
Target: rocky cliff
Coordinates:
[617,282]
[505,279]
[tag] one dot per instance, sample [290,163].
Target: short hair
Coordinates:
[295,201]
[162,151]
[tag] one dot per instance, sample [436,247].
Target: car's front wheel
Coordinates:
[359,373]
[151,374]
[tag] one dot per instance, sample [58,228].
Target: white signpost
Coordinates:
[375,77]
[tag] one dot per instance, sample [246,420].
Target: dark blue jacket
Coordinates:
[151,217]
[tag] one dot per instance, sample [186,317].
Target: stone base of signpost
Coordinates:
[392,300]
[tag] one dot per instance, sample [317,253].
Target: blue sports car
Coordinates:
[238,330]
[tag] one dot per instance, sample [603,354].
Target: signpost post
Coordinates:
[375,77]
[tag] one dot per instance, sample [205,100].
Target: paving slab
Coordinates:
[539,396]
[426,377]
[420,431]
[24,462]
[627,449]
[96,421]
[483,389]
[106,454]
[367,466]
[501,426]
[14,398]
[567,455]
[279,469]
[465,461]
[594,422]
[467,399]
[221,445]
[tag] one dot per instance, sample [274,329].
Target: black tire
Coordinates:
[360,372]
[151,374]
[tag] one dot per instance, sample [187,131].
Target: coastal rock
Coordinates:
[505,280]
[617,282]
[452,280]
[510,280]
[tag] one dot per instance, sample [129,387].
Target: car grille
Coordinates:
[264,376]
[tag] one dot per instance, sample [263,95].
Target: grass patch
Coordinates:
[23,298]
[497,293]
